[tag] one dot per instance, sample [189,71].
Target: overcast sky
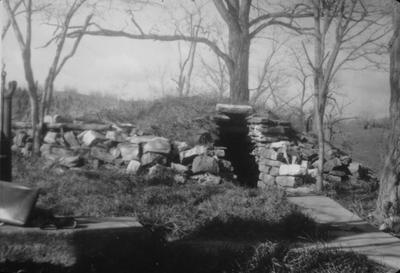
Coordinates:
[130,68]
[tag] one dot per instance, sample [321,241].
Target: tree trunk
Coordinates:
[239,52]
[36,128]
[388,199]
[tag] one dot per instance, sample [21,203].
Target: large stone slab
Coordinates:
[353,233]
[127,246]
[234,109]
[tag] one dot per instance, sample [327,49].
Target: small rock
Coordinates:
[101,154]
[264,168]
[207,179]
[292,169]
[161,174]
[141,139]
[180,146]
[267,179]
[70,161]
[312,172]
[129,151]
[20,138]
[219,153]
[157,145]
[115,136]
[90,137]
[179,168]
[50,138]
[272,163]
[187,156]
[48,119]
[333,178]
[133,167]
[274,171]
[331,164]
[115,152]
[71,140]
[279,144]
[269,154]
[153,158]
[225,166]
[180,179]
[354,167]
[205,164]
[289,181]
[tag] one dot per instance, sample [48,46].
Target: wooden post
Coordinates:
[5,128]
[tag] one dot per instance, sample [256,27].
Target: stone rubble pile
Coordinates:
[288,159]
[123,147]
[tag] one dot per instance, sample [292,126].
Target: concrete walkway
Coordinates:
[350,231]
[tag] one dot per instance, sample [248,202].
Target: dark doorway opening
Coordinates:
[233,134]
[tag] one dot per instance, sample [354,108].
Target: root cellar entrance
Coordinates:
[234,135]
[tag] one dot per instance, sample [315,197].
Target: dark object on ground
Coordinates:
[16,202]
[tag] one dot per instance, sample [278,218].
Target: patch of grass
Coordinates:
[280,258]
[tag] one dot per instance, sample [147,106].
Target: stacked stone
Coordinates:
[278,160]
[126,148]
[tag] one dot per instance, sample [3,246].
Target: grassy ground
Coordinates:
[201,225]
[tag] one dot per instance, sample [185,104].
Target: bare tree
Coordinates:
[349,24]
[388,203]
[216,76]
[25,44]
[186,63]
[302,76]
[244,21]
[271,79]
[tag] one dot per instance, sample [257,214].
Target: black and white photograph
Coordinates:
[200,136]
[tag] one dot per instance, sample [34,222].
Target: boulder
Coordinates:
[179,168]
[50,138]
[90,137]
[153,158]
[157,145]
[187,156]
[205,164]
[207,179]
[101,154]
[289,181]
[133,167]
[115,136]
[70,139]
[129,151]
[292,169]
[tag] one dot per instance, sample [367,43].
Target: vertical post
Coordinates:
[5,128]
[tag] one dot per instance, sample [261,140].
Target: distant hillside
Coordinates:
[367,145]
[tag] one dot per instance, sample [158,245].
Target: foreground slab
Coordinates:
[100,245]
[351,232]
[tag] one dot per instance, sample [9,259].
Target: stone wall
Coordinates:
[124,147]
